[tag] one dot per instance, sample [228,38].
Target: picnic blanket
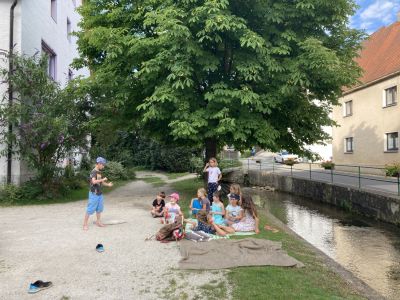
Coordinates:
[227,253]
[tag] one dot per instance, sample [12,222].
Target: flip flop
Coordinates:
[100,248]
[39,285]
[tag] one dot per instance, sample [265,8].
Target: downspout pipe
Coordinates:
[10,89]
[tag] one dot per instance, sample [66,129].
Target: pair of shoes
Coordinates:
[38,286]
[100,248]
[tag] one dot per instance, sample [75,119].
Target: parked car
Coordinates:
[284,155]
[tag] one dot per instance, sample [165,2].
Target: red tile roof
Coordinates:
[380,55]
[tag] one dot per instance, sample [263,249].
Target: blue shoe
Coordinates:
[99,248]
[39,285]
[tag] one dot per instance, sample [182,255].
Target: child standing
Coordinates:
[158,205]
[214,175]
[233,209]
[196,203]
[217,209]
[95,203]
[172,209]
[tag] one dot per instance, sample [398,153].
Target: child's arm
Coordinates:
[257,230]
[96,181]
[191,205]
[240,216]
[206,167]
[109,184]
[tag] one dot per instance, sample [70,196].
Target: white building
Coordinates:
[40,26]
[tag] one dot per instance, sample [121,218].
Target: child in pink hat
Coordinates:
[172,209]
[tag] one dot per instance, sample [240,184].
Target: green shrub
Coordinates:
[115,171]
[328,165]
[393,169]
[130,173]
[10,194]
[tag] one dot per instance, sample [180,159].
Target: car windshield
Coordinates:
[285,153]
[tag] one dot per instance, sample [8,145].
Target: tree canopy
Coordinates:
[216,72]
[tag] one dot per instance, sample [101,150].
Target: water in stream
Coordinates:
[368,249]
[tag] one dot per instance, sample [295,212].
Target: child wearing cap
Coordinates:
[172,209]
[95,203]
[158,205]
[233,209]
[214,175]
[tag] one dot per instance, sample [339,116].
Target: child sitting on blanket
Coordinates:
[233,209]
[172,209]
[235,189]
[195,204]
[158,205]
[217,209]
[248,219]
[205,224]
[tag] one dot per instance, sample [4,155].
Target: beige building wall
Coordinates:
[368,125]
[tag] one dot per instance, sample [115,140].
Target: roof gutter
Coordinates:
[10,89]
[368,84]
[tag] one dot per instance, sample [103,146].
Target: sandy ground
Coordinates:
[47,242]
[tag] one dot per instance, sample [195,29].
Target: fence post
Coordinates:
[260,164]
[398,183]
[291,170]
[310,171]
[359,177]
[332,175]
[248,164]
[273,166]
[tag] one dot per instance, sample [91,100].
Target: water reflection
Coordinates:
[369,249]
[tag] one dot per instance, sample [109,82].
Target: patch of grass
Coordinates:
[155,181]
[314,281]
[140,168]
[74,195]
[214,291]
[176,175]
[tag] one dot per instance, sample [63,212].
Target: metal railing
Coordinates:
[361,177]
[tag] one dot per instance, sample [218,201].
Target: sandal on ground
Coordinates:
[100,248]
[39,285]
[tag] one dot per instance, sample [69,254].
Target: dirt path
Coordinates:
[47,242]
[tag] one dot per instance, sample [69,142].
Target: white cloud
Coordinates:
[382,10]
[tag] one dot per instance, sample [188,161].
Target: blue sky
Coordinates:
[373,14]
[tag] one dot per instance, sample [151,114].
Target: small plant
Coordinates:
[328,165]
[393,169]
[290,162]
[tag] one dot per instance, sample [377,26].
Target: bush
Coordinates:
[328,165]
[115,171]
[10,194]
[393,169]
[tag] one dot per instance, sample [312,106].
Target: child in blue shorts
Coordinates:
[95,203]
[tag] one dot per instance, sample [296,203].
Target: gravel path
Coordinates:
[47,242]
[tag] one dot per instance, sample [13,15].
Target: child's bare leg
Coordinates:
[85,222]
[227,229]
[219,230]
[98,222]
[257,230]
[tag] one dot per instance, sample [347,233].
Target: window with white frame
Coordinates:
[348,145]
[54,10]
[51,60]
[348,108]
[68,30]
[392,141]
[390,96]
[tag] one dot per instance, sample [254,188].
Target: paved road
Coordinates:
[367,182]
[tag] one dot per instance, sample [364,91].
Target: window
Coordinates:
[68,30]
[392,141]
[390,96]
[348,108]
[51,60]
[348,147]
[54,10]
[70,75]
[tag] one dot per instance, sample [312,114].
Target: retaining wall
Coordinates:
[378,206]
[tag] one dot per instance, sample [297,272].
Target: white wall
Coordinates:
[32,24]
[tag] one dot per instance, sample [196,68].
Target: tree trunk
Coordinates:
[211,148]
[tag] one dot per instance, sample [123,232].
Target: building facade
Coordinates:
[40,27]
[369,115]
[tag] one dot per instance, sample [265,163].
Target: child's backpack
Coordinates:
[171,232]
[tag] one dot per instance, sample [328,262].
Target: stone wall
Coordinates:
[379,206]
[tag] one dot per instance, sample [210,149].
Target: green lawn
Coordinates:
[314,281]
[176,175]
[74,195]
[154,180]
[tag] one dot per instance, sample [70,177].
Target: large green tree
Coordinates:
[215,72]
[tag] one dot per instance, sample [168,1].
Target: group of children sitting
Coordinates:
[240,215]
